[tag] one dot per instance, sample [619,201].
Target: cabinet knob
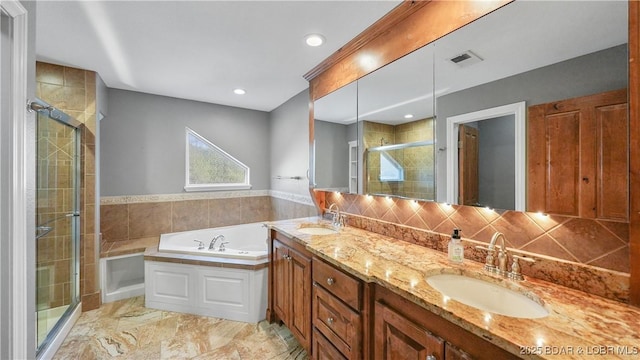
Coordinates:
[431,357]
[330,281]
[331,320]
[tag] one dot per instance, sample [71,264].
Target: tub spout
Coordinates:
[212,244]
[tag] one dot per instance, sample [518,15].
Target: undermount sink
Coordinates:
[487,296]
[317,230]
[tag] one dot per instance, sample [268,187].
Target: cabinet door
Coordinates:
[300,320]
[578,157]
[281,294]
[612,190]
[323,350]
[398,338]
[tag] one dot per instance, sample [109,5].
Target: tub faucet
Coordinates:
[212,244]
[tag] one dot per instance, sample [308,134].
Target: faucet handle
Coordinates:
[489,264]
[200,244]
[515,273]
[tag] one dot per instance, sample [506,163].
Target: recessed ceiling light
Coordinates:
[408,116]
[239,91]
[314,39]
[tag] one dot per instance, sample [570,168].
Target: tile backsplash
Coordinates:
[124,218]
[589,255]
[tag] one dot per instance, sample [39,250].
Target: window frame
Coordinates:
[188,187]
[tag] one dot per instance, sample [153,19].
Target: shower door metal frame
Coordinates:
[54,114]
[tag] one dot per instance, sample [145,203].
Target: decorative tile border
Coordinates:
[133,199]
[301,199]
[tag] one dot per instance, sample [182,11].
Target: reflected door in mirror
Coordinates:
[578,157]
[468,165]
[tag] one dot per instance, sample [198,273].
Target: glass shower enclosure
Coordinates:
[57,220]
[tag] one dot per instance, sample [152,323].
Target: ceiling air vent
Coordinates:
[465,59]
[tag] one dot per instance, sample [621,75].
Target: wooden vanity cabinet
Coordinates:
[404,330]
[337,313]
[290,287]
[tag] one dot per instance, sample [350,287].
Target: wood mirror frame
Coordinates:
[413,24]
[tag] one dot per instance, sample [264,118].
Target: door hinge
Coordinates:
[460,146]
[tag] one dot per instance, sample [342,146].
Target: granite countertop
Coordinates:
[579,325]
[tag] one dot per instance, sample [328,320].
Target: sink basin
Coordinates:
[317,230]
[487,296]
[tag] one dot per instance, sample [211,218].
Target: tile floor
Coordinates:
[127,330]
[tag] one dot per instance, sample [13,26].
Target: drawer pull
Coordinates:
[330,321]
[330,281]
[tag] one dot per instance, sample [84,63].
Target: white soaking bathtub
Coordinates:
[246,241]
[229,284]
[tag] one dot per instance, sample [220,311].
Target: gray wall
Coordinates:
[332,158]
[290,144]
[580,76]
[497,173]
[143,141]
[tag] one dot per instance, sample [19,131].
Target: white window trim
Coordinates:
[212,187]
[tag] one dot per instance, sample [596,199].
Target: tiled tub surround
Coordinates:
[74,92]
[130,218]
[578,323]
[588,255]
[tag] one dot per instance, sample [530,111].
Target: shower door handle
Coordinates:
[42,231]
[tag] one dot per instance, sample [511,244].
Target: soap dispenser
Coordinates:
[456,250]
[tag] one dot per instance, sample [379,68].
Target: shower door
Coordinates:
[57,220]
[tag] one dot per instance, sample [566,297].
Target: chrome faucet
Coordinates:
[212,244]
[337,220]
[501,269]
[502,253]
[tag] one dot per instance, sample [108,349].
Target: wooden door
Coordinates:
[300,320]
[398,338]
[467,165]
[281,293]
[577,157]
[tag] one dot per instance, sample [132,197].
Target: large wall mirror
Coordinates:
[335,147]
[525,54]
[531,53]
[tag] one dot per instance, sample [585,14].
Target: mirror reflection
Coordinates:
[395,112]
[335,140]
[571,54]
[508,57]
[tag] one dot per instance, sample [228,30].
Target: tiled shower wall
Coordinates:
[590,255]
[55,199]
[124,218]
[417,162]
[74,92]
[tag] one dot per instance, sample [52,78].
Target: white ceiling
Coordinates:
[201,50]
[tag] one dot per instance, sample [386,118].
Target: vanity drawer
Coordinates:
[343,286]
[340,324]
